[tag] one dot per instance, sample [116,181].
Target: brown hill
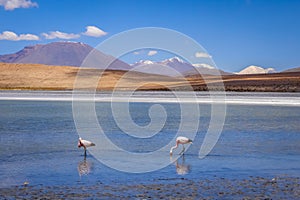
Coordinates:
[43,77]
[276,82]
[297,69]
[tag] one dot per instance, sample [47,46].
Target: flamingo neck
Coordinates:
[171,150]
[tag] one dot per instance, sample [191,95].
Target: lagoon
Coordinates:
[39,140]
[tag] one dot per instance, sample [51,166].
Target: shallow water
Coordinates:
[39,141]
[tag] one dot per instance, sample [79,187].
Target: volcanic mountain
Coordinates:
[63,54]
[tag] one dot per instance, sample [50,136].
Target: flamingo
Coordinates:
[85,144]
[181,140]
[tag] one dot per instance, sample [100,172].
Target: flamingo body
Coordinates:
[85,144]
[181,140]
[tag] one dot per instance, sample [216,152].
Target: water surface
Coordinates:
[39,140]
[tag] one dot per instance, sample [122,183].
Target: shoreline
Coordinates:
[215,188]
[152,90]
[229,98]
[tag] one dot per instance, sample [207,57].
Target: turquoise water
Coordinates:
[39,144]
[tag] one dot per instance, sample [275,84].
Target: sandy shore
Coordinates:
[43,77]
[181,188]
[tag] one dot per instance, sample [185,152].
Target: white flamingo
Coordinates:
[85,144]
[181,140]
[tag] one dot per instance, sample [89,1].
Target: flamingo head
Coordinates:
[79,143]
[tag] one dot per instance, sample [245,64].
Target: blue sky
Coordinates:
[236,33]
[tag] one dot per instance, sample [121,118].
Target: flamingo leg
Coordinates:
[183,149]
[183,159]
[84,152]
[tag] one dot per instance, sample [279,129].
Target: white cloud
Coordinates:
[202,55]
[8,35]
[203,65]
[152,53]
[94,31]
[60,35]
[28,37]
[136,53]
[13,4]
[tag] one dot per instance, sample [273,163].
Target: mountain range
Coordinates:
[74,54]
[175,67]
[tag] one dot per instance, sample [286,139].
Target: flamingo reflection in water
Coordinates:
[84,167]
[182,168]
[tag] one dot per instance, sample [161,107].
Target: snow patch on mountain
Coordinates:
[252,69]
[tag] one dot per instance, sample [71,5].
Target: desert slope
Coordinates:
[276,82]
[43,77]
